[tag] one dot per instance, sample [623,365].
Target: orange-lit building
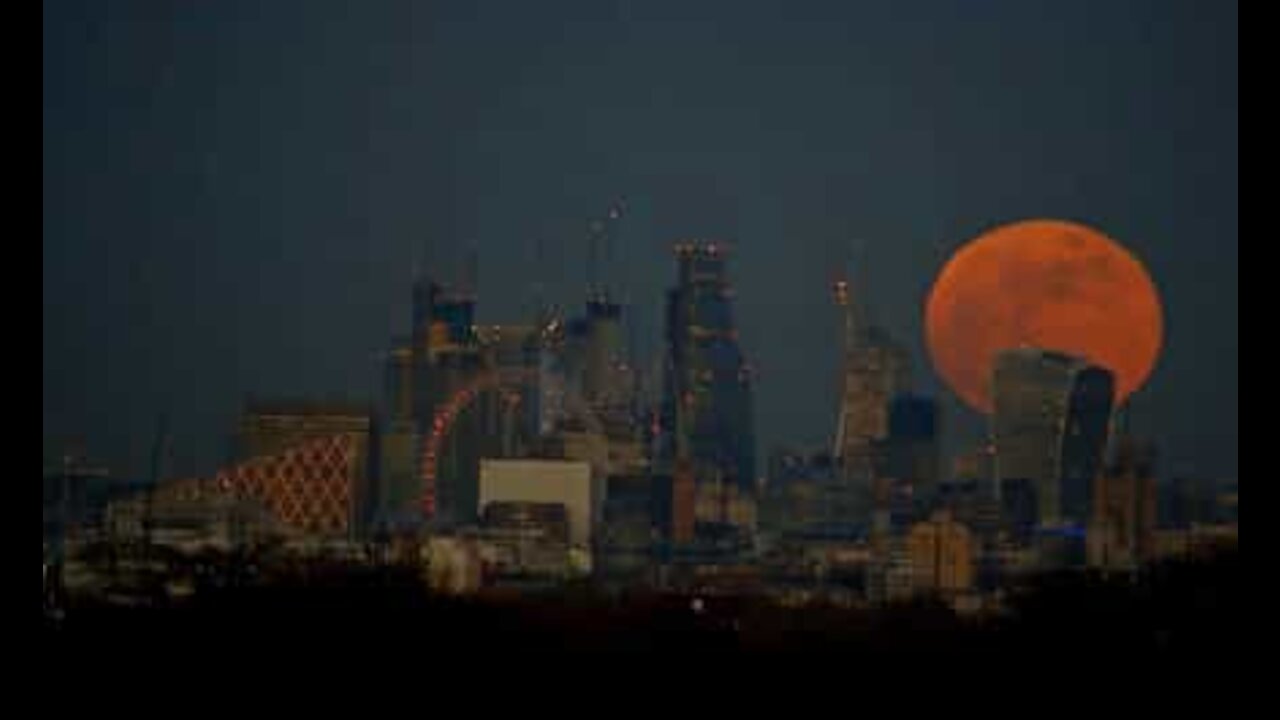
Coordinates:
[307,463]
[942,555]
[308,488]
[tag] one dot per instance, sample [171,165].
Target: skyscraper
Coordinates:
[1050,425]
[515,352]
[707,406]
[874,369]
[602,386]
[395,498]
[1084,440]
[913,442]
[589,364]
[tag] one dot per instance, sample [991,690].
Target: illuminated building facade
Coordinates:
[309,463]
[873,371]
[555,482]
[942,553]
[548,521]
[308,487]
[707,414]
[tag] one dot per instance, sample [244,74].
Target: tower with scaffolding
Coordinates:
[874,369]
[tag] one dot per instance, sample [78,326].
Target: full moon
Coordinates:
[1049,284]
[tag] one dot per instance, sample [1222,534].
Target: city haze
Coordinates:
[236,195]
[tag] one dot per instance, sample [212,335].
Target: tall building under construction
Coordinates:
[873,372]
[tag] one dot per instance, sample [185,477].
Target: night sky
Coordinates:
[236,193]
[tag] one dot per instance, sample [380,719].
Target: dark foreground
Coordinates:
[1192,608]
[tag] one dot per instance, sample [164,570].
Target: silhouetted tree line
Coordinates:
[1189,606]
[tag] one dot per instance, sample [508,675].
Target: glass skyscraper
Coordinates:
[1052,415]
[707,415]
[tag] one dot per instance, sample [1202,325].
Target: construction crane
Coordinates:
[842,294]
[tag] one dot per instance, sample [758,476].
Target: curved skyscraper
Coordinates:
[1050,426]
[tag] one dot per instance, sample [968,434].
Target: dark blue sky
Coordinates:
[235,193]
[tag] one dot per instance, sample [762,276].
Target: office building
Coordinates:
[707,408]
[557,482]
[1050,426]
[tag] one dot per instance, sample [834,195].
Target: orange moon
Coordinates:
[1043,283]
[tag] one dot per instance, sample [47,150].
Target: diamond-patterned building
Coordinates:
[308,487]
[308,463]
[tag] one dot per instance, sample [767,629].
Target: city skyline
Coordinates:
[192,259]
